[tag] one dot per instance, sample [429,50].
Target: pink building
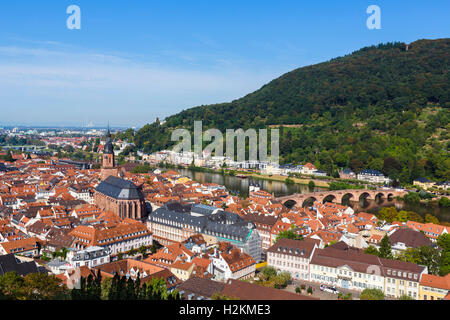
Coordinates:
[292,256]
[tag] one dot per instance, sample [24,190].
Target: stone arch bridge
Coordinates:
[338,196]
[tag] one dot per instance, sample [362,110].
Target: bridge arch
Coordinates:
[329,198]
[309,201]
[348,196]
[340,196]
[290,203]
[380,197]
[365,196]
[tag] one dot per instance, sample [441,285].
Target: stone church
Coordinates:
[116,194]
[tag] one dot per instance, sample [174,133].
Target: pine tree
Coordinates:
[138,289]
[89,291]
[98,286]
[385,248]
[114,290]
[130,289]
[122,289]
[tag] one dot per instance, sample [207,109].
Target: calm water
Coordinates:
[240,186]
[278,188]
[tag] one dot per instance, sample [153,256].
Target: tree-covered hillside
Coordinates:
[383,107]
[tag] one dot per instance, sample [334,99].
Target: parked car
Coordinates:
[329,289]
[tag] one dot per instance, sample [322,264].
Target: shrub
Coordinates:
[372,294]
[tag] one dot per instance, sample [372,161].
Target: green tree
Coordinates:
[289,234]
[412,197]
[113,293]
[106,288]
[443,242]
[372,250]
[142,250]
[12,286]
[282,280]
[385,250]
[268,273]
[388,214]
[154,248]
[444,202]
[371,294]
[431,219]
[41,286]
[431,258]
[410,255]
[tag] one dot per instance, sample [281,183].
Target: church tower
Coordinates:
[108,159]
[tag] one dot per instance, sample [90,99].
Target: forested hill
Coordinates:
[383,107]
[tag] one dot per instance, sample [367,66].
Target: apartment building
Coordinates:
[293,256]
[90,257]
[434,287]
[350,268]
[179,222]
[121,238]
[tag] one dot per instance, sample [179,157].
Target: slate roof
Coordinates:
[360,262]
[203,209]
[200,287]
[222,222]
[423,180]
[411,238]
[261,219]
[119,189]
[298,248]
[4,168]
[9,263]
[371,172]
[108,148]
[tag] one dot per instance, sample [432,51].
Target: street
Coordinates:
[317,293]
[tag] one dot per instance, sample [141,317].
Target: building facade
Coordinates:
[208,221]
[122,197]
[350,268]
[292,256]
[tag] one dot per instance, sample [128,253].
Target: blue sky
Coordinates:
[133,61]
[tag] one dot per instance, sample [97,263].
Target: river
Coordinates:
[240,186]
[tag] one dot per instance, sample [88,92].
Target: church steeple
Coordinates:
[109,148]
[108,159]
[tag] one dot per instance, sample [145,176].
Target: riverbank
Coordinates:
[317,183]
[278,178]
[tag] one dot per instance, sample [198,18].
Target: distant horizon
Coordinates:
[122,126]
[129,64]
[56,126]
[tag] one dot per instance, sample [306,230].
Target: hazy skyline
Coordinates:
[133,61]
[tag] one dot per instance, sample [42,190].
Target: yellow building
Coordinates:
[182,180]
[182,270]
[424,183]
[434,287]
